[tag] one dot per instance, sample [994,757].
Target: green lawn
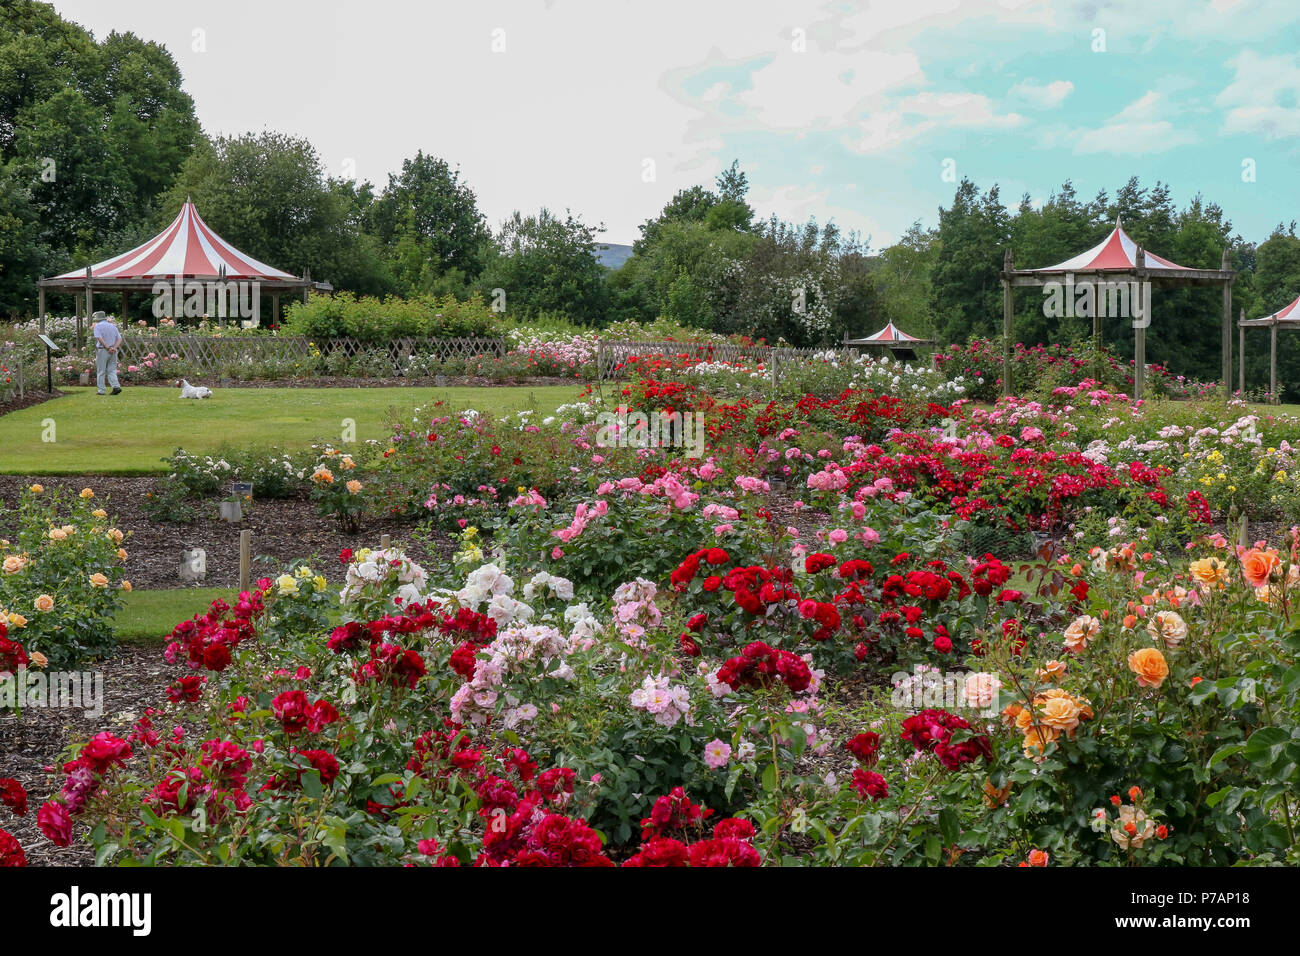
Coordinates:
[149,616]
[131,432]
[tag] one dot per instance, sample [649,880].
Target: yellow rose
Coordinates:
[44,603]
[320,582]
[98,580]
[121,553]
[1209,572]
[17,620]
[302,572]
[37,489]
[14,563]
[126,585]
[287,584]
[1149,665]
[58,534]
[87,493]
[1167,626]
[100,513]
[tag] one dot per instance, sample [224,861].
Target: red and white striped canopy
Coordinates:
[890,333]
[1288,313]
[187,248]
[1117,251]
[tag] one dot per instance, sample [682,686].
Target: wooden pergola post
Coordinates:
[40,307]
[1008,319]
[1139,334]
[1241,352]
[1227,326]
[1272,362]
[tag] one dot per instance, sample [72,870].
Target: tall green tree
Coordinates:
[547,264]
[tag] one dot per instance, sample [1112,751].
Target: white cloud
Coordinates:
[1263,98]
[923,113]
[1138,129]
[1039,95]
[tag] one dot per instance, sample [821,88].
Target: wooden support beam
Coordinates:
[1140,335]
[1272,364]
[40,308]
[1008,319]
[1241,357]
[1227,327]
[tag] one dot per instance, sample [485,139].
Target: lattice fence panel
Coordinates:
[612,356]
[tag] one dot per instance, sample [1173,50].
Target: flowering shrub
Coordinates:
[61,576]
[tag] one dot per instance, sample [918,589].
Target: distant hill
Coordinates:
[611,255]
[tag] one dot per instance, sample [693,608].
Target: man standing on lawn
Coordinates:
[107,339]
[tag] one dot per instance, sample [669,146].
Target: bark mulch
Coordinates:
[31,746]
[33,397]
[282,531]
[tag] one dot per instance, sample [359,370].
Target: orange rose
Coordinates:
[1038,858]
[1149,666]
[1257,566]
[44,603]
[1059,713]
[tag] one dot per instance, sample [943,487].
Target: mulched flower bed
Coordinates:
[282,531]
[135,677]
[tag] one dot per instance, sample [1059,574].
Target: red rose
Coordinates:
[345,556]
[866,747]
[13,796]
[716,556]
[870,785]
[53,820]
[105,751]
[11,851]
[712,583]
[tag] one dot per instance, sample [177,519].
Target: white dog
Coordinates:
[190,391]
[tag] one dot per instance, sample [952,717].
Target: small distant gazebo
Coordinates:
[1287,317]
[890,337]
[187,250]
[1117,259]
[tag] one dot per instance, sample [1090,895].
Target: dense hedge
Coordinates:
[375,320]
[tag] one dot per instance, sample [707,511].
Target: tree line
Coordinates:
[99,145]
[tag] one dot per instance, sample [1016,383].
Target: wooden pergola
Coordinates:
[187,251]
[1287,317]
[1117,259]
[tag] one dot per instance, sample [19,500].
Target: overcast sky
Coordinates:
[859,112]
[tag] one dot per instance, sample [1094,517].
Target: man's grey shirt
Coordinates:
[107,334]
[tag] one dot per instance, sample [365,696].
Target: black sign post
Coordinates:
[50,349]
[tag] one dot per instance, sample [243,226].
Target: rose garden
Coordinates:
[876,622]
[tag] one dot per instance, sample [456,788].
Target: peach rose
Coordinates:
[87,493]
[1257,566]
[98,580]
[115,536]
[39,659]
[58,534]
[126,585]
[982,689]
[1167,626]
[1052,670]
[121,554]
[1037,741]
[1143,828]
[353,486]
[1038,858]
[1149,666]
[37,489]
[44,603]
[1060,713]
[1081,632]
[100,513]
[13,564]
